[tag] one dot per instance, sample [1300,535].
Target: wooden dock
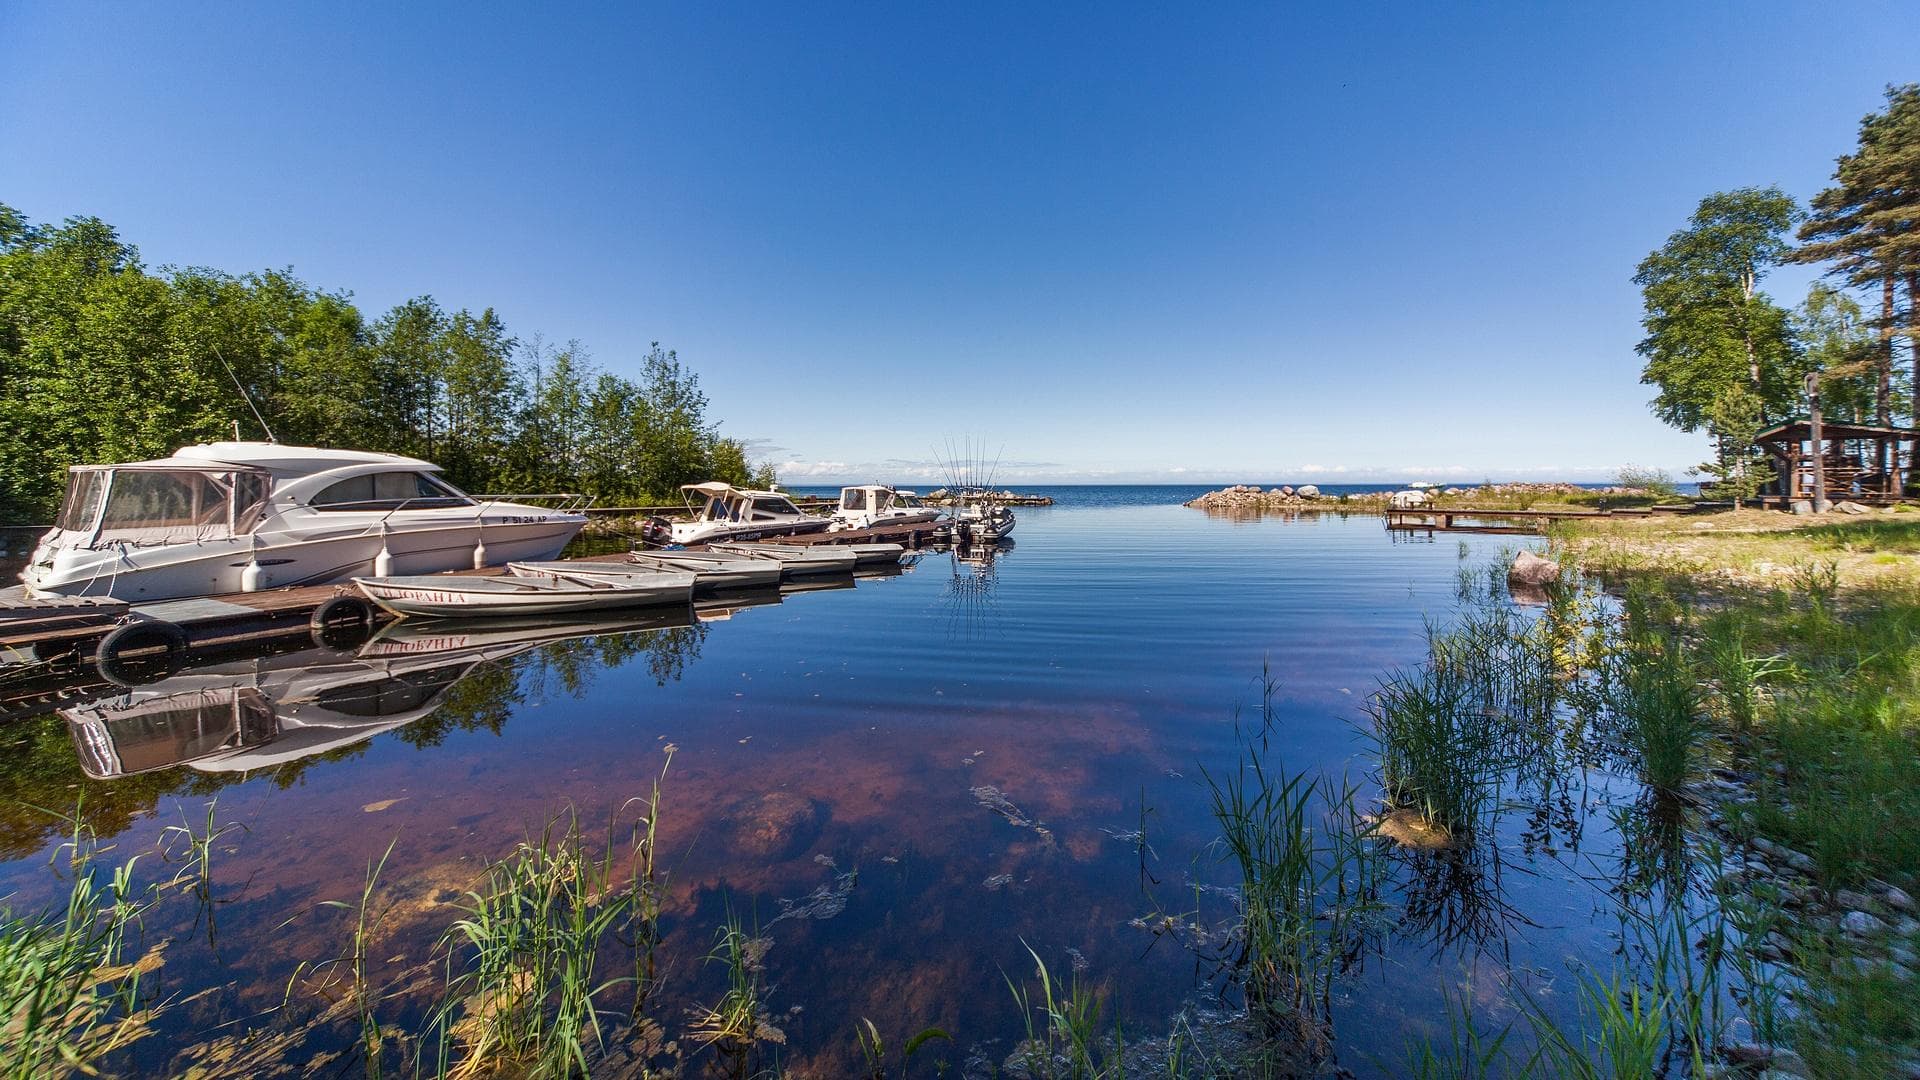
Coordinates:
[1430,519]
[36,630]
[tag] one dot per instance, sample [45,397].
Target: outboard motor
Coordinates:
[657,531]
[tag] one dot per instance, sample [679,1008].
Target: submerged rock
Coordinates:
[1413,830]
[778,824]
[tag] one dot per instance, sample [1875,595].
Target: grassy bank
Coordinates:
[1747,549]
[1804,638]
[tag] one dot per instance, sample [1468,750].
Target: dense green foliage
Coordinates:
[1710,330]
[103,360]
[1728,360]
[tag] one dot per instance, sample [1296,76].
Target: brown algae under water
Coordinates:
[1011,804]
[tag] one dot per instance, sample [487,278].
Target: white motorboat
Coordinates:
[726,512]
[243,516]
[714,570]
[864,506]
[982,522]
[797,560]
[450,596]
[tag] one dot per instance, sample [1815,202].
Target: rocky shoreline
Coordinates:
[1254,497]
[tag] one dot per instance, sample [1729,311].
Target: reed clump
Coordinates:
[70,997]
[1310,879]
[527,993]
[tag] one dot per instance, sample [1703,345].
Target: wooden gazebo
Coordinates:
[1863,462]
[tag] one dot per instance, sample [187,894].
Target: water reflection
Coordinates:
[969,596]
[268,712]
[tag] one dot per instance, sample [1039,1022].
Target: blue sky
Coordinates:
[1244,242]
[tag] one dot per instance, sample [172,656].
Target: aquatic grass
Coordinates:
[1658,705]
[1309,879]
[68,997]
[364,995]
[527,992]
[1066,1043]
[1740,677]
[1469,1052]
[873,1049]
[738,1023]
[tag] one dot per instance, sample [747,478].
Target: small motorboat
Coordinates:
[714,570]
[459,596]
[730,513]
[867,505]
[799,559]
[982,522]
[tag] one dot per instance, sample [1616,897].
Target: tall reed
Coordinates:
[526,995]
[68,997]
[1309,881]
[1659,705]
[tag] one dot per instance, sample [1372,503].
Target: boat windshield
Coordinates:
[85,489]
[164,506]
[853,499]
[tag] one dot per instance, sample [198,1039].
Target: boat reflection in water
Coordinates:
[268,711]
[265,712]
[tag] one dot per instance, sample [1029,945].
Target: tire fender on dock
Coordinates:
[340,620]
[110,655]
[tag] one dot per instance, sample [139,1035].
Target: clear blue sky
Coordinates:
[1187,242]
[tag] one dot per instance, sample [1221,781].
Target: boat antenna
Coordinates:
[244,396]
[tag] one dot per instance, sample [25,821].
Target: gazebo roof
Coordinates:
[1797,428]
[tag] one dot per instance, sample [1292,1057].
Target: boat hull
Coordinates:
[453,596]
[799,561]
[713,574]
[308,557]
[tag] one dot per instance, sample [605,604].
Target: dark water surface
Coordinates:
[1090,675]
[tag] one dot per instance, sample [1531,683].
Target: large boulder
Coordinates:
[1531,569]
[1307,491]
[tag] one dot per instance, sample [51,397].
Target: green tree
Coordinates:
[1837,337]
[675,440]
[1709,327]
[1738,469]
[481,389]
[1867,226]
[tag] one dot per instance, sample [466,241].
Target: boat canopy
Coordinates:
[163,502]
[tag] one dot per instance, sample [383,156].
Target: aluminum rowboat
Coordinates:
[457,596]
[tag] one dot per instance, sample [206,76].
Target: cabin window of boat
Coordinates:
[85,489]
[250,491]
[763,509]
[853,499]
[140,499]
[389,491]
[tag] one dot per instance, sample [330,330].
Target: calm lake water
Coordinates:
[839,744]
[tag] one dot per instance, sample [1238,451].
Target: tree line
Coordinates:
[102,360]
[1729,360]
